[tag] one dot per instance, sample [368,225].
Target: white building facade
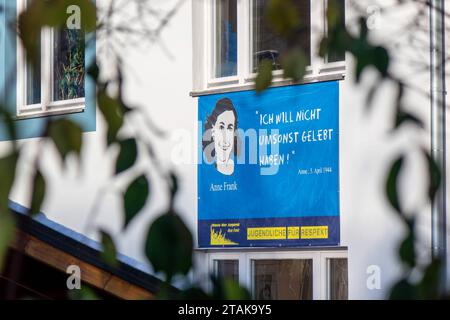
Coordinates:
[212,48]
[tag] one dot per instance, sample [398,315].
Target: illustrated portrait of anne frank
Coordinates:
[219,138]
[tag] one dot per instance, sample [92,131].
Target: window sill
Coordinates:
[53,109]
[277,76]
[333,67]
[277,82]
[219,82]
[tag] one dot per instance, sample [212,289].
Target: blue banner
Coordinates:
[268,172]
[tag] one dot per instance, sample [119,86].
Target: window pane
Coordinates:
[226,38]
[268,44]
[227,269]
[339,5]
[33,78]
[338,277]
[33,75]
[68,64]
[282,279]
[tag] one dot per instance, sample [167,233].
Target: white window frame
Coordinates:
[212,36]
[319,258]
[325,266]
[227,256]
[319,69]
[47,106]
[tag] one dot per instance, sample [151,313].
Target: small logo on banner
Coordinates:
[219,234]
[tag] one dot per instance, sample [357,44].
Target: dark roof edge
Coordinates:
[86,253]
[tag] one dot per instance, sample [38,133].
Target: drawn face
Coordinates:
[223,135]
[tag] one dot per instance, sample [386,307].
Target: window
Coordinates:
[56,82]
[225,265]
[280,274]
[232,37]
[267,44]
[33,81]
[337,279]
[227,269]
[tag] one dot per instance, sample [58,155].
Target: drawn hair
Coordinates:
[222,106]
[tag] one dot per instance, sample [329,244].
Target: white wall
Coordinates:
[370,227]
[158,78]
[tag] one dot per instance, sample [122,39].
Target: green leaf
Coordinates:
[361,63]
[294,65]
[366,54]
[338,42]
[39,188]
[233,291]
[432,281]
[85,293]
[135,198]
[406,117]
[173,185]
[93,71]
[109,252]
[434,174]
[193,293]
[228,289]
[407,249]
[282,16]
[6,234]
[391,184]
[404,290]
[112,112]
[8,166]
[127,155]
[169,245]
[377,57]
[264,77]
[402,116]
[67,137]
[334,14]
[381,60]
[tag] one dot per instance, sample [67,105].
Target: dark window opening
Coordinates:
[338,279]
[268,44]
[227,269]
[339,13]
[68,64]
[283,279]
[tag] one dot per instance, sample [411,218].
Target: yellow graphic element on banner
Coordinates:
[293,233]
[277,233]
[219,238]
[318,232]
